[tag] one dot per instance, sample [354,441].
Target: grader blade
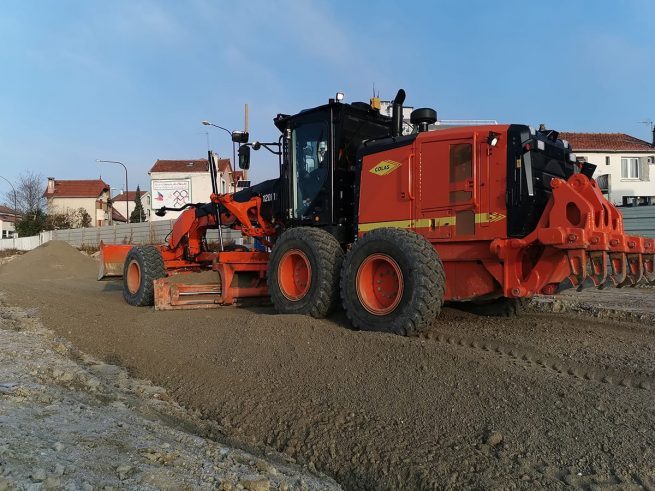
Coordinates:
[112,259]
[170,295]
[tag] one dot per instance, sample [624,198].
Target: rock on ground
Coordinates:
[70,422]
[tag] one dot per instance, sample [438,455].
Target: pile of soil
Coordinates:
[544,400]
[54,260]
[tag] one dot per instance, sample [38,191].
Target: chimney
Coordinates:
[51,185]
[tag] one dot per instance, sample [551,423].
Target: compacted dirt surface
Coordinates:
[550,399]
[69,421]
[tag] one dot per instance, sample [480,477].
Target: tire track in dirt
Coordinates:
[377,411]
[535,359]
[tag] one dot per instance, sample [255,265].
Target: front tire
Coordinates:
[303,272]
[392,280]
[143,265]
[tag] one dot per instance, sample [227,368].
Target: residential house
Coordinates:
[625,165]
[117,216]
[123,205]
[8,218]
[92,195]
[240,180]
[174,183]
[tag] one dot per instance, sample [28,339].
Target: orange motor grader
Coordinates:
[391,225]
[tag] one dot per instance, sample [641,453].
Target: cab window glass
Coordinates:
[309,145]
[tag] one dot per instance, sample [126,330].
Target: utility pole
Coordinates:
[127,201]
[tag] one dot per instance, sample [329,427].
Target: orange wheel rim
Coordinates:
[133,277]
[379,284]
[294,274]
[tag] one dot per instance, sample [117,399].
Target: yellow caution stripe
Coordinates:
[447,221]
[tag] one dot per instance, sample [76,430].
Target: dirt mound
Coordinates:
[539,401]
[53,260]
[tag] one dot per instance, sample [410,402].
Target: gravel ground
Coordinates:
[68,421]
[547,400]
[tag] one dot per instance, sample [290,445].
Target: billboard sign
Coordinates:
[171,193]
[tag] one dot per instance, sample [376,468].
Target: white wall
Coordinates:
[620,187]
[121,206]
[61,205]
[201,189]
[6,229]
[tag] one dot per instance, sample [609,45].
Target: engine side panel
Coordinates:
[386,191]
[448,186]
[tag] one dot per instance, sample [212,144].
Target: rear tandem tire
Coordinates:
[143,265]
[392,280]
[303,272]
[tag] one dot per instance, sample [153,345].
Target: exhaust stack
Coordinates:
[397,114]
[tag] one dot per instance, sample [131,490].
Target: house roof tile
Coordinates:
[7,218]
[5,210]
[117,216]
[197,165]
[224,165]
[194,165]
[89,188]
[130,196]
[610,142]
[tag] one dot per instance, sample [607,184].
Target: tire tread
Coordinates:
[429,275]
[329,256]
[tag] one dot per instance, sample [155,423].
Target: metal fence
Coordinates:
[639,220]
[127,233]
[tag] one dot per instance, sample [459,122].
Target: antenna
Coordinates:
[206,133]
[649,122]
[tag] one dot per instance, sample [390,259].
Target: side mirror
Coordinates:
[244,157]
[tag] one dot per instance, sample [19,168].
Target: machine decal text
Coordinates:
[385,167]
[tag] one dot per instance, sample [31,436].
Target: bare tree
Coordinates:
[29,193]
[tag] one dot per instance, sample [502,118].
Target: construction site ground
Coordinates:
[561,396]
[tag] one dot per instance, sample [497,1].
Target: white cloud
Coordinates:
[149,18]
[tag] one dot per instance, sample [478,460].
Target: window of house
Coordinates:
[630,168]
[607,160]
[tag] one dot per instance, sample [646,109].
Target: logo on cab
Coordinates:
[385,167]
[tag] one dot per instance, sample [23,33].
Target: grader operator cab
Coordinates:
[390,225]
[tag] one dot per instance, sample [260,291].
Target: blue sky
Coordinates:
[131,80]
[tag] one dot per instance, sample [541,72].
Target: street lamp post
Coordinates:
[207,123]
[127,201]
[15,208]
